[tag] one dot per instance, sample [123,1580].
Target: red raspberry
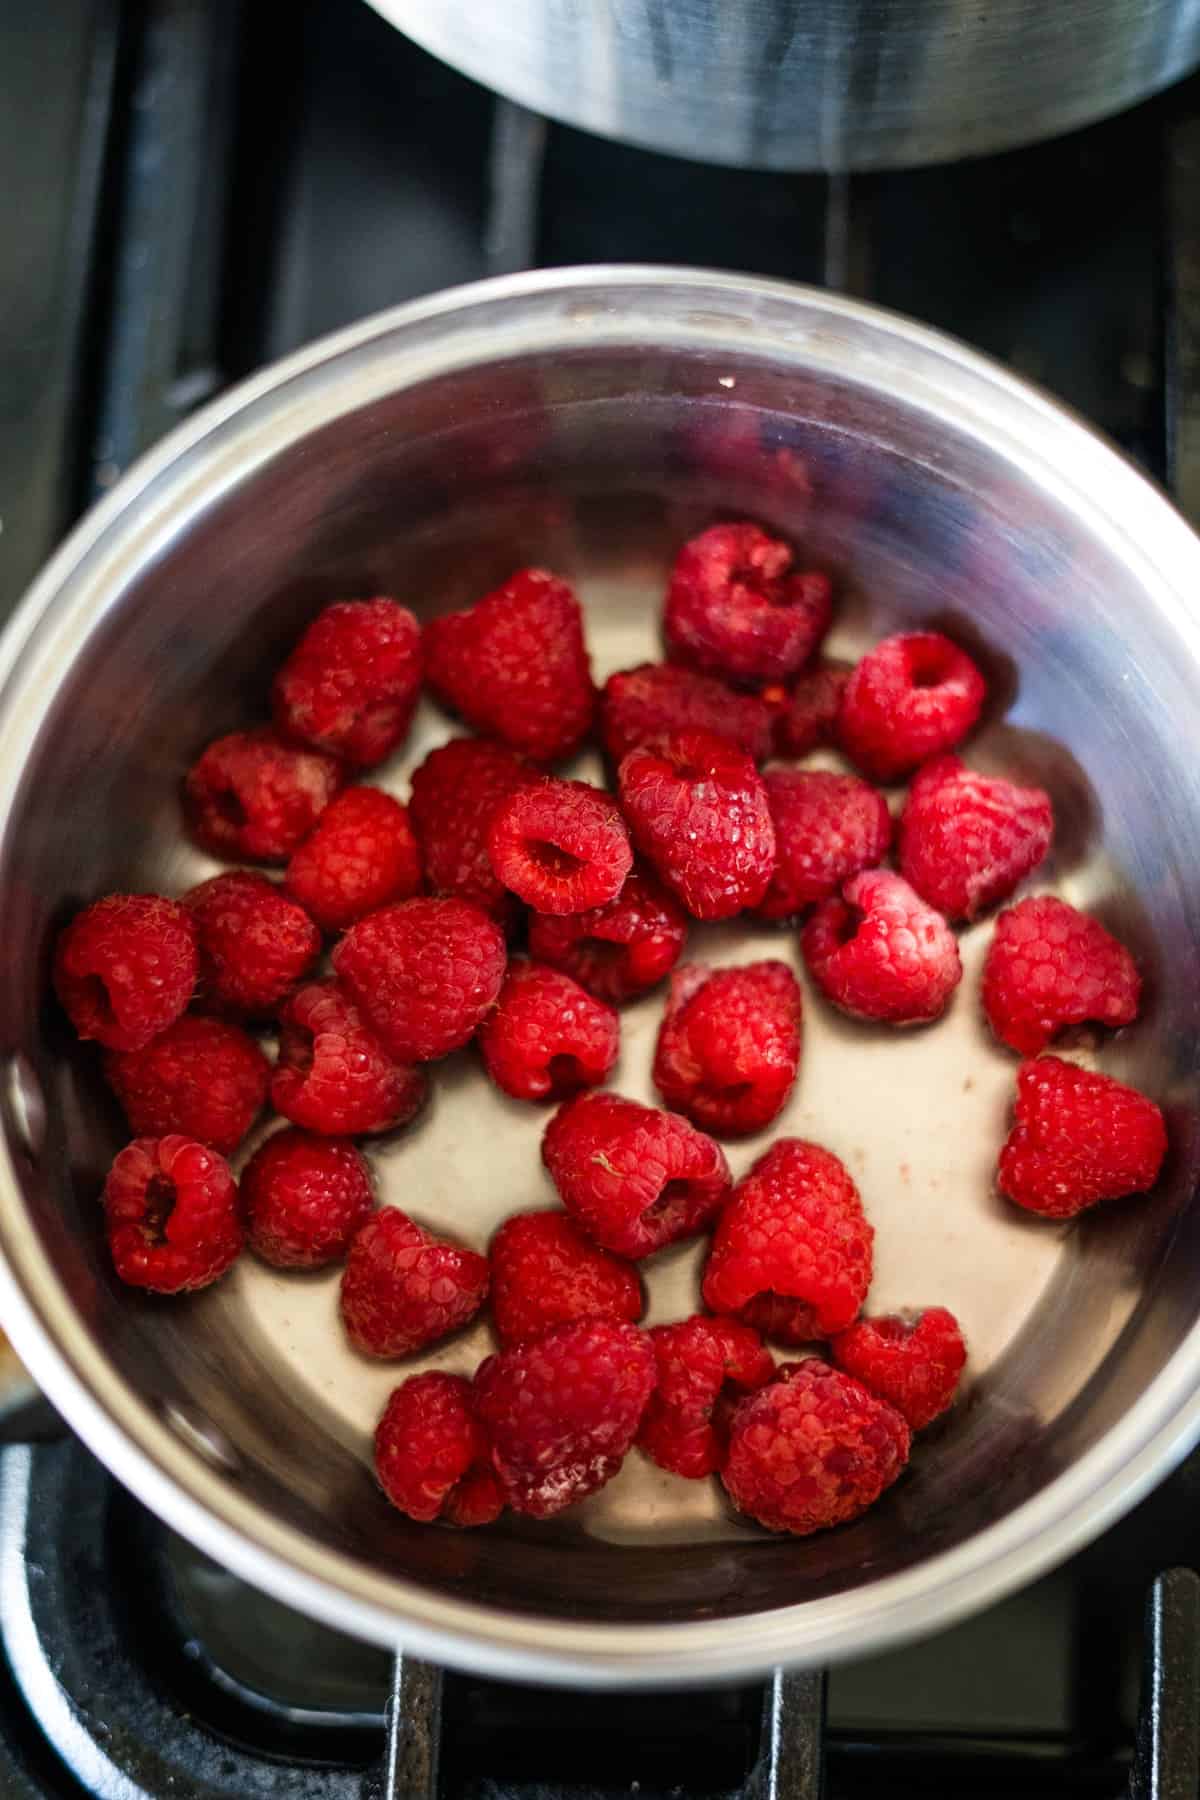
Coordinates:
[424,974]
[561,846]
[544,1272]
[403,1288]
[515,665]
[808,715]
[966,840]
[562,1411]
[351,683]
[1049,966]
[432,1455]
[125,968]
[547,1038]
[911,1360]
[455,795]
[305,1197]
[827,828]
[735,608]
[200,1078]
[255,943]
[333,1075]
[812,1450]
[697,809]
[729,1045]
[619,950]
[361,855]
[171,1209]
[910,698]
[640,704]
[633,1178]
[703,1364]
[792,1253]
[252,796]
[880,953]
[1078,1138]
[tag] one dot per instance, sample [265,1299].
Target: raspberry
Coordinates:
[619,950]
[544,1272]
[200,1078]
[403,1288]
[792,1253]
[361,855]
[880,953]
[455,794]
[252,796]
[814,1449]
[729,1045]
[697,809]
[125,968]
[305,1197]
[702,1365]
[910,698]
[333,1076]
[515,665]
[807,716]
[735,608]
[562,1411]
[171,1210]
[827,828]
[913,1361]
[966,840]
[547,1038]
[1049,966]
[351,683]
[255,943]
[424,974]
[431,1453]
[561,846]
[640,704]
[1078,1138]
[633,1178]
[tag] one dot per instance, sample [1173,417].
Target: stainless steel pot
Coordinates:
[815,84]
[588,420]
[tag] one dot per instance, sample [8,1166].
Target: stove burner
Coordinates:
[135,1669]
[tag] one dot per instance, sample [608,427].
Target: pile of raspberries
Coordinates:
[421,908]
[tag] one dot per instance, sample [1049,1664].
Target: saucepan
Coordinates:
[590,420]
[815,84]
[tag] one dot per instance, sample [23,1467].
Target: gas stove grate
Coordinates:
[105,1690]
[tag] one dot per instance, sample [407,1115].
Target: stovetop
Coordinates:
[200,190]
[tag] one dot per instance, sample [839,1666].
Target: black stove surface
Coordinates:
[200,191]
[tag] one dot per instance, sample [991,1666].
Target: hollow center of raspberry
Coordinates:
[671,1207]
[690,772]
[296,1049]
[96,1002]
[566,1073]
[228,807]
[600,953]
[159,1205]
[552,859]
[894,1329]
[927,675]
[846,926]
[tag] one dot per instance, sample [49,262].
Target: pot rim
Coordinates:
[154,503]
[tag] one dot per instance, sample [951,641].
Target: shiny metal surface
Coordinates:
[589,420]
[815,84]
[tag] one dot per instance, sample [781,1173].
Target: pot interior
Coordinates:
[597,461]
